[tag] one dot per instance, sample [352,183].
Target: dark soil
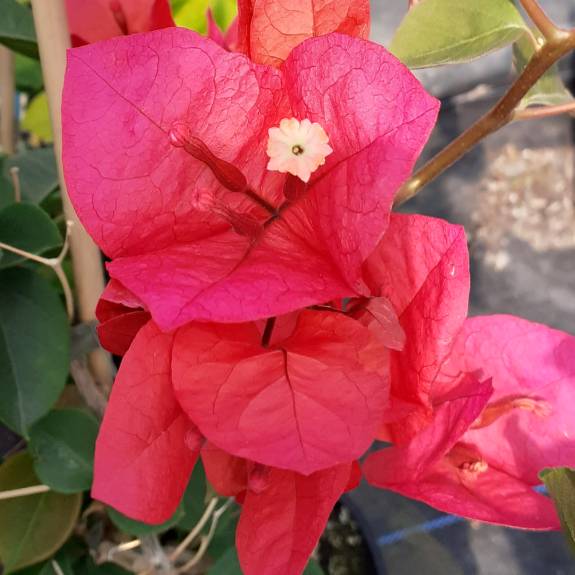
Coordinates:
[342,548]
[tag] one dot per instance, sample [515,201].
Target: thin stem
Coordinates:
[196,530]
[24,491]
[56,567]
[500,115]
[261,202]
[541,20]
[122,548]
[68,295]
[15,175]
[55,264]
[544,111]
[268,331]
[87,387]
[207,539]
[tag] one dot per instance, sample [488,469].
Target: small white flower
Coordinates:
[297,148]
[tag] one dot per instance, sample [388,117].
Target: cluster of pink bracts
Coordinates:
[274,327]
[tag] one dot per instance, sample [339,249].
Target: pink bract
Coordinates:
[270,29]
[164,153]
[95,20]
[227,40]
[273,405]
[146,447]
[283,513]
[473,453]
[529,424]
[422,267]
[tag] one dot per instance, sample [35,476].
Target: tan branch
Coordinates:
[24,491]
[195,531]
[7,93]
[207,539]
[15,176]
[500,115]
[544,111]
[53,40]
[541,20]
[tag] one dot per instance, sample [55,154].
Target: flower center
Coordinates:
[297,148]
[474,467]
[467,461]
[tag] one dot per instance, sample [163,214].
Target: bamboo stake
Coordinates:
[23,492]
[7,92]
[53,41]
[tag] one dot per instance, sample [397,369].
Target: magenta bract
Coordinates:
[164,155]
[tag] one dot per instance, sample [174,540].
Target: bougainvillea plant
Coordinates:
[273,316]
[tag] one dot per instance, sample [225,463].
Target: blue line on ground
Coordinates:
[425,527]
[428,526]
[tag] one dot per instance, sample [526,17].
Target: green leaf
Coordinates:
[6,191]
[28,75]
[560,483]
[194,500]
[29,228]
[313,568]
[38,173]
[63,564]
[192,13]
[34,527]
[17,28]
[549,90]
[140,529]
[438,32]
[62,444]
[36,119]
[88,567]
[227,564]
[224,12]
[34,348]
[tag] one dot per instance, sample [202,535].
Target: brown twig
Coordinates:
[500,115]
[90,392]
[7,92]
[541,20]
[544,111]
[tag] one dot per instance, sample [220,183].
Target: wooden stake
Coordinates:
[53,40]
[7,93]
